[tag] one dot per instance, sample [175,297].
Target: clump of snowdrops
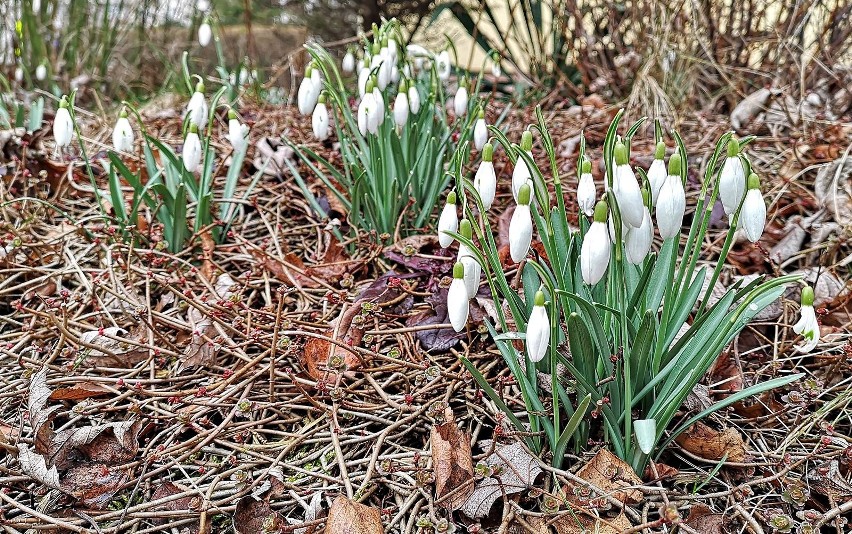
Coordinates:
[179,190]
[624,332]
[385,104]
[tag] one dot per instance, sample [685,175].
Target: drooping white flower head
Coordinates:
[657,172]
[586,193]
[808,326]
[205,33]
[414,99]
[472,268]
[461,99]
[384,75]
[237,132]
[637,242]
[366,112]
[520,226]
[495,65]
[443,65]
[41,72]
[401,108]
[626,188]
[594,254]
[538,329]
[485,180]
[348,64]
[192,149]
[197,108]
[19,74]
[671,202]
[122,134]
[363,76]
[307,96]
[480,130]
[753,213]
[319,120]
[63,126]
[521,174]
[448,221]
[732,180]
[458,305]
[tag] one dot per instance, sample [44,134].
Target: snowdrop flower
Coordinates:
[538,329]
[309,91]
[521,174]
[384,77]
[414,99]
[442,63]
[348,64]
[460,101]
[480,130]
[400,106]
[122,134]
[626,188]
[415,50]
[192,149]
[448,221]
[368,119]
[520,227]
[594,254]
[380,107]
[202,5]
[197,109]
[63,126]
[732,180]
[472,269]
[753,214]
[458,305]
[485,180]
[41,72]
[319,119]
[671,202]
[363,76]
[205,33]
[808,326]
[393,48]
[637,242]
[19,74]
[586,188]
[657,172]
[495,65]
[237,132]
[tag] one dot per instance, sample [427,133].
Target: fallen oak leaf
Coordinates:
[452,463]
[350,517]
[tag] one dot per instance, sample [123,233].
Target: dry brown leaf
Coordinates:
[611,474]
[702,519]
[254,516]
[208,245]
[93,484]
[45,290]
[350,517]
[452,462]
[753,407]
[711,444]
[664,471]
[534,525]
[515,470]
[335,263]
[583,524]
[726,374]
[318,351]
[290,270]
[833,188]
[79,391]
[187,504]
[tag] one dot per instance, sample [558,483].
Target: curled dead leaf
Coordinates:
[702,519]
[319,352]
[513,471]
[253,516]
[350,517]
[452,463]
[711,444]
[611,474]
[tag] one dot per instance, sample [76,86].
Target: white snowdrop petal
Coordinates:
[595,252]
[520,233]
[448,222]
[753,215]
[458,305]
[485,182]
[538,334]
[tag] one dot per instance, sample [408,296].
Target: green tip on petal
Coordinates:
[753,181]
[232,114]
[370,85]
[660,151]
[403,87]
[539,298]
[620,153]
[807,296]
[451,198]
[524,195]
[376,48]
[487,152]
[465,229]
[199,87]
[123,114]
[601,211]
[385,41]
[193,128]
[63,103]
[674,164]
[458,270]
[495,56]
[526,141]
[481,113]
[586,167]
[733,147]
[321,99]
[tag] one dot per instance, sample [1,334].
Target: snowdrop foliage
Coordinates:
[63,126]
[808,325]
[122,134]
